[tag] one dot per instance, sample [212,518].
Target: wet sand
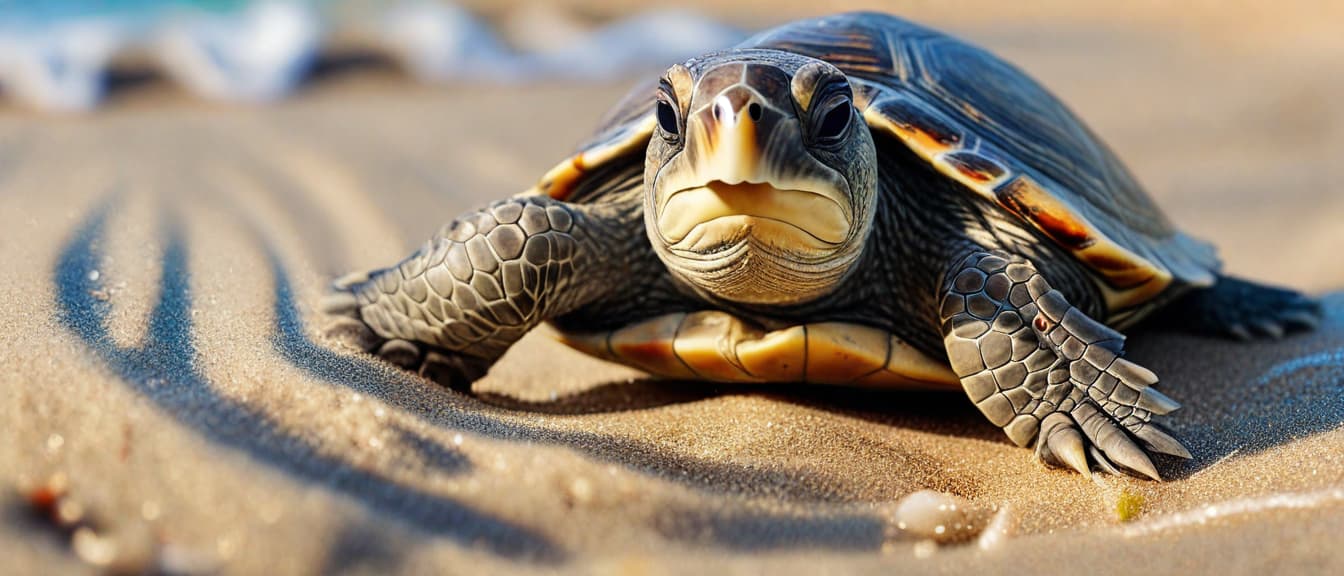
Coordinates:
[164,258]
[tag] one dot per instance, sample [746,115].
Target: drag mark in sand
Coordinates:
[164,369]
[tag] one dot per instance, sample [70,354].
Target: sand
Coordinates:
[163,258]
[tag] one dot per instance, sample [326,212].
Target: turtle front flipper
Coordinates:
[1043,370]
[456,305]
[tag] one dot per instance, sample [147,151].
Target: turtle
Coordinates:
[850,200]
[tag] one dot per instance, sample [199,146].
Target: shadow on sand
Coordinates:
[165,370]
[1243,398]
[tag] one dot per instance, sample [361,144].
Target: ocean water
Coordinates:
[55,54]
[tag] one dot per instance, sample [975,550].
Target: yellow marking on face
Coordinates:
[731,137]
[816,215]
[683,85]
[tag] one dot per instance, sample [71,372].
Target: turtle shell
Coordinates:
[977,120]
[617,147]
[987,125]
[720,347]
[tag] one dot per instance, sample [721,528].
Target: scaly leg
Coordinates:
[453,307]
[1044,371]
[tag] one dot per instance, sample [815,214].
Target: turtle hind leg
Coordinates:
[1243,310]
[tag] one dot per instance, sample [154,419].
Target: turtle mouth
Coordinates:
[720,213]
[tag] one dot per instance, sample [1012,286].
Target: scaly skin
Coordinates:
[455,306]
[1034,363]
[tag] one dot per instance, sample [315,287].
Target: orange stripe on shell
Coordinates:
[559,182]
[1129,279]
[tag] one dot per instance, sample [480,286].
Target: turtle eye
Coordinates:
[667,118]
[834,123]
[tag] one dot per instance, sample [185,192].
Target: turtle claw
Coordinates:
[1062,445]
[1102,462]
[348,282]
[1295,320]
[1240,332]
[1110,400]
[1112,441]
[339,303]
[344,324]
[1245,311]
[1269,328]
[1156,402]
[403,353]
[1159,440]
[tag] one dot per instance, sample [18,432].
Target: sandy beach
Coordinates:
[164,257]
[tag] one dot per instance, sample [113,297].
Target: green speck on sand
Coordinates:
[1128,505]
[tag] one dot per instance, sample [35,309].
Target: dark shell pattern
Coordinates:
[977,120]
[980,121]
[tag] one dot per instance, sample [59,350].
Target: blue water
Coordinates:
[34,13]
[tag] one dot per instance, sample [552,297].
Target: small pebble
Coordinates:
[939,517]
[998,531]
[580,491]
[92,548]
[150,510]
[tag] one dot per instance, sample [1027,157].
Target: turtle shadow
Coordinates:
[608,397]
[940,412]
[455,411]
[502,417]
[1237,398]
[1241,398]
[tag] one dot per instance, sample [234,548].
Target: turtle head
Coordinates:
[760,178]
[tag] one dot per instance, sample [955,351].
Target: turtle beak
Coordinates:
[731,135]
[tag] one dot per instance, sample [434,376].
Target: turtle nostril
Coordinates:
[754,110]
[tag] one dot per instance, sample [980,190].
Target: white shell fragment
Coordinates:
[942,518]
